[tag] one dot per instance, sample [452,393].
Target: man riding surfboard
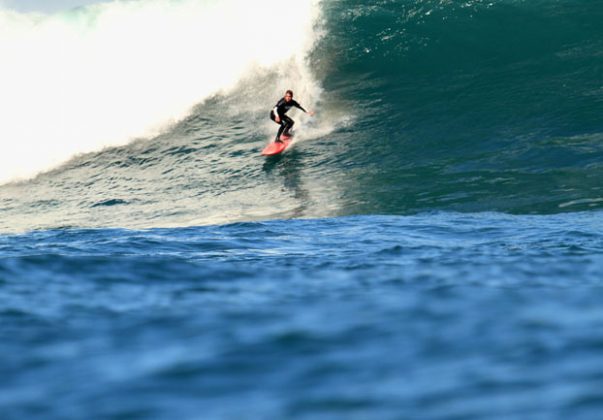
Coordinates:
[277,114]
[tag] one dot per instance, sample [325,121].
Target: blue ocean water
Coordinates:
[432,316]
[430,247]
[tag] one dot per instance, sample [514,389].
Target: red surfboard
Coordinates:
[274,147]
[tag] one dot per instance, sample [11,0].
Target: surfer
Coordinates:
[278,114]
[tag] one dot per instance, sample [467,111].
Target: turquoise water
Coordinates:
[430,247]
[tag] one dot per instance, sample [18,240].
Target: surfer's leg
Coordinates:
[288,125]
[280,130]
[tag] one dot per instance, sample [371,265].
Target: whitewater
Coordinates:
[102,75]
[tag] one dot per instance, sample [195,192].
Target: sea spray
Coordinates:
[101,75]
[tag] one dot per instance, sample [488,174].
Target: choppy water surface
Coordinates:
[363,317]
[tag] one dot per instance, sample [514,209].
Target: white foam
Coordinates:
[102,75]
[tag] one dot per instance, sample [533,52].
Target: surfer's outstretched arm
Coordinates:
[310,113]
[297,105]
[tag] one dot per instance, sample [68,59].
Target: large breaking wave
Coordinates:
[421,106]
[101,75]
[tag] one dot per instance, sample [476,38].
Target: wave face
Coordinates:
[421,106]
[473,106]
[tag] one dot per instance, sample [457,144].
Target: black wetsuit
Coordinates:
[281,109]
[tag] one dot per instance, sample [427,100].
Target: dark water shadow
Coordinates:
[288,166]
